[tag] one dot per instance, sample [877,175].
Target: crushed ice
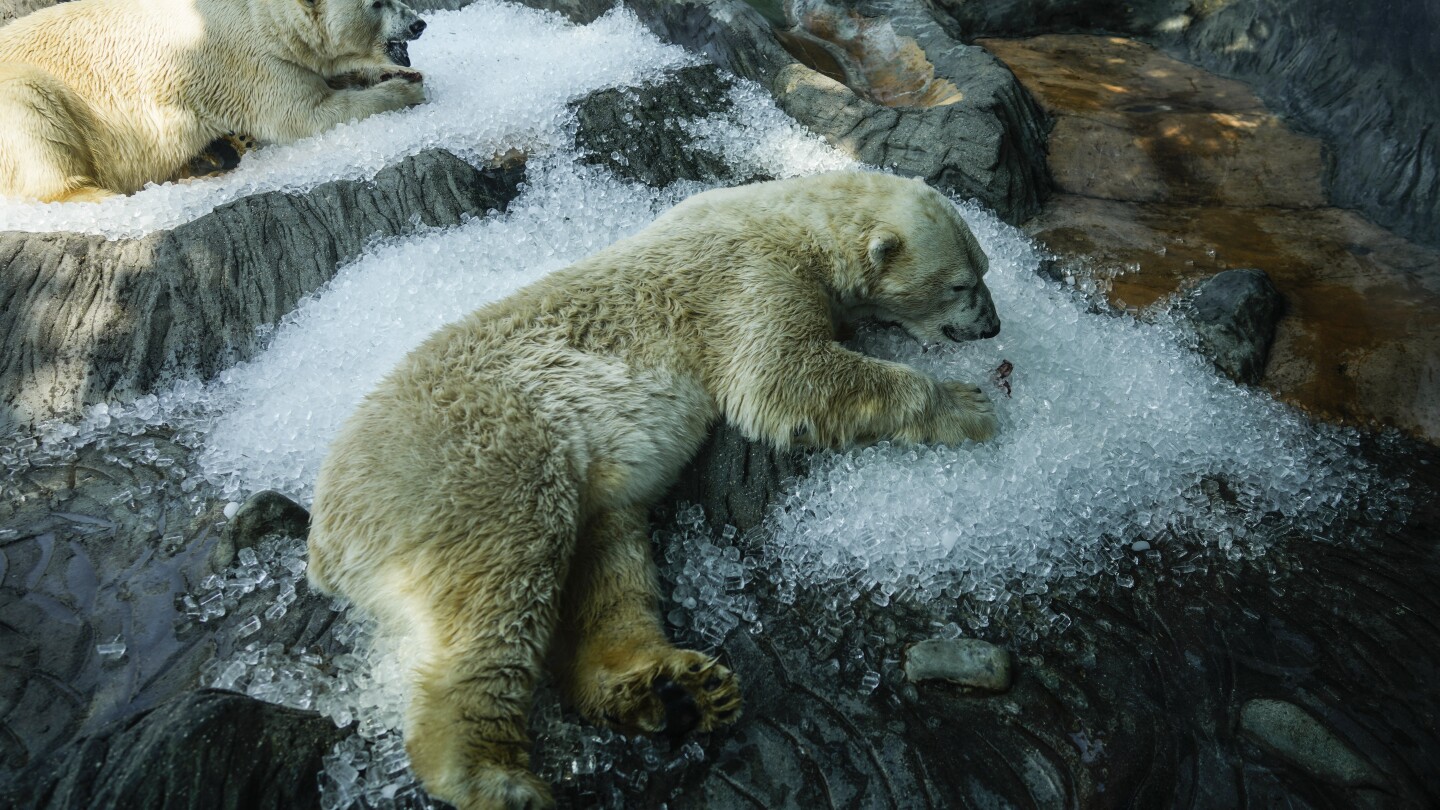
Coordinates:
[497,77]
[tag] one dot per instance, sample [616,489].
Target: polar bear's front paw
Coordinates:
[679,691]
[407,86]
[970,415]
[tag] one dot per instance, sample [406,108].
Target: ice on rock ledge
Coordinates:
[497,76]
[1116,438]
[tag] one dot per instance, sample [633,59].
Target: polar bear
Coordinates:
[490,497]
[103,96]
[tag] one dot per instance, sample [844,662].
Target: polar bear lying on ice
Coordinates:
[490,498]
[99,97]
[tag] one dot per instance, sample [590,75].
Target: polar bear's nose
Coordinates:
[416,28]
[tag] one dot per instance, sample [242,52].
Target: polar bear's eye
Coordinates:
[959,288]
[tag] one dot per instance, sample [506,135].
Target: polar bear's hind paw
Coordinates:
[678,692]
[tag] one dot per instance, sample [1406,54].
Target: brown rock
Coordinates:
[1134,124]
[1175,175]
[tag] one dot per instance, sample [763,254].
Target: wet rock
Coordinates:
[1156,208]
[962,661]
[202,750]
[90,320]
[1294,735]
[267,512]
[1235,313]
[102,546]
[638,132]
[1134,124]
[1343,72]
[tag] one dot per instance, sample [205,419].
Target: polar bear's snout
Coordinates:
[960,334]
[402,25]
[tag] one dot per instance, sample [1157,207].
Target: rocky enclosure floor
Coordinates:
[1167,174]
[1302,677]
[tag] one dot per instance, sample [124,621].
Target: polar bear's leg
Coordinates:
[824,395]
[487,619]
[331,107]
[45,150]
[612,658]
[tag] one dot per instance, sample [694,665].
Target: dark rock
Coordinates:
[962,661]
[100,546]
[87,320]
[1234,313]
[205,750]
[1295,736]
[1134,704]
[985,141]
[734,479]
[637,132]
[267,512]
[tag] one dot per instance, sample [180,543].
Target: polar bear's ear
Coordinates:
[883,245]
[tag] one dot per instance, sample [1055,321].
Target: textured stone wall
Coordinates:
[1358,75]
[85,320]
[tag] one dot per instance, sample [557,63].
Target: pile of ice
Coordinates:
[709,574]
[1118,445]
[497,77]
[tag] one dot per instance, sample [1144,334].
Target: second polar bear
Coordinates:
[103,96]
[490,498]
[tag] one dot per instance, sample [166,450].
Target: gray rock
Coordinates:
[736,480]
[204,750]
[1234,313]
[265,512]
[988,145]
[89,320]
[637,132]
[11,10]
[963,661]
[1295,736]
[100,546]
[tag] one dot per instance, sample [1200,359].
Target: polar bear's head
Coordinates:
[354,30]
[926,270]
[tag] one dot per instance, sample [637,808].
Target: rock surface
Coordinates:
[100,546]
[1149,215]
[1348,74]
[638,134]
[1134,124]
[204,750]
[1234,313]
[961,661]
[266,512]
[984,140]
[1292,734]
[87,320]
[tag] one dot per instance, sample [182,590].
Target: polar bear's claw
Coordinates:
[673,694]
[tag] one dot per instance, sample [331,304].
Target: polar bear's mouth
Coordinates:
[399,52]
